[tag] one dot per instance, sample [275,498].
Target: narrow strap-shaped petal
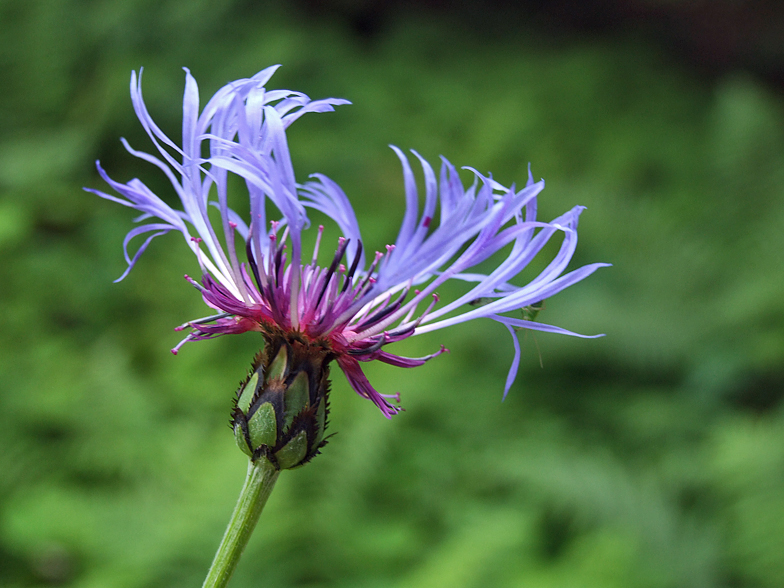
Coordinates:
[512,374]
[147,241]
[326,196]
[408,226]
[190,116]
[537,326]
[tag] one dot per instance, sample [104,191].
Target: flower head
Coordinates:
[351,306]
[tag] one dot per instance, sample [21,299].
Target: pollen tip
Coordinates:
[232,224]
[426,221]
[174,351]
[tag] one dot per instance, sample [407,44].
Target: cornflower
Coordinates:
[349,309]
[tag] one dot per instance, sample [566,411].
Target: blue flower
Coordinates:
[350,307]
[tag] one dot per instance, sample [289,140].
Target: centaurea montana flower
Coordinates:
[350,311]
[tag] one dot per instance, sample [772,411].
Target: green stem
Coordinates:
[262,476]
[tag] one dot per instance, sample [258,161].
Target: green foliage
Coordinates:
[650,458]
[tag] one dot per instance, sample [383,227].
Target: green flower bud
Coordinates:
[281,408]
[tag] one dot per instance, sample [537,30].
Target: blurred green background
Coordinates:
[653,457]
